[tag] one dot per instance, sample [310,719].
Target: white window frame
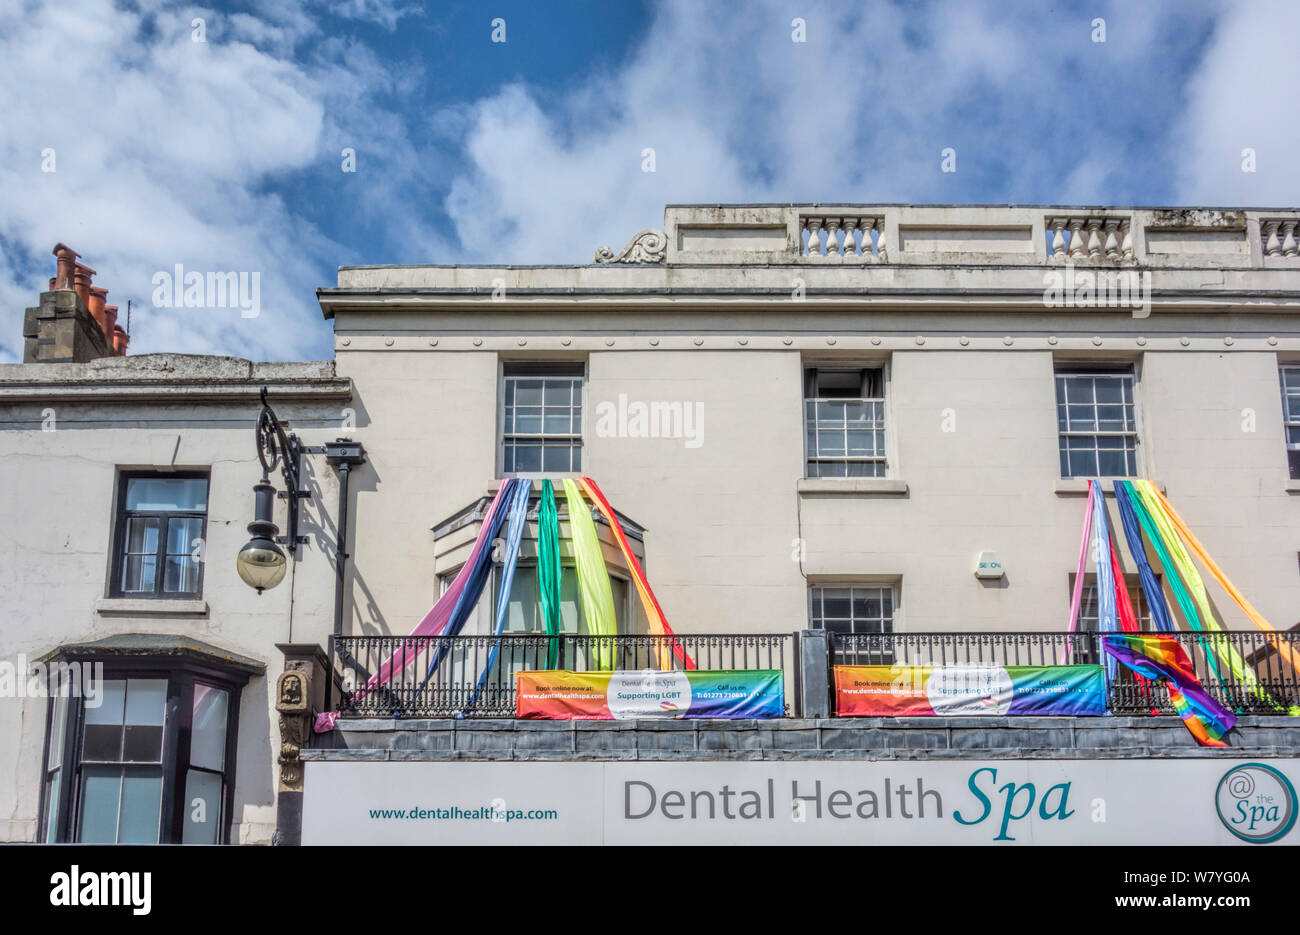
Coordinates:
[1129,370]
[887,459]
[1290,391]
[541,367]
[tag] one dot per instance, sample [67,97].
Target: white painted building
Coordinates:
[826,437]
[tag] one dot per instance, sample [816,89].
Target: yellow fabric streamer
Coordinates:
[593,578]
[1284,647]
[1227,654]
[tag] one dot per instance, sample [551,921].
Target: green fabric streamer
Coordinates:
[548,569]
[593,578]
[1181,593]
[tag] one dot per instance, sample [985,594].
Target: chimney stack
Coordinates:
[73,322]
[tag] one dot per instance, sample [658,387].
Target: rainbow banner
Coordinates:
[909,691]
[1163,658]
[624,695]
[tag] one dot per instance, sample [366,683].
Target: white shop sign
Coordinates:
[1005,802]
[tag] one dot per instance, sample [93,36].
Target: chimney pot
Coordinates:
[67,258]
[96,306]
[120,341]
[110,322]
[81,280]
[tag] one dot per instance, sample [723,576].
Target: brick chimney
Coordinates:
[73,323]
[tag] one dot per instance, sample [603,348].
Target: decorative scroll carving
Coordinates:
[648,246]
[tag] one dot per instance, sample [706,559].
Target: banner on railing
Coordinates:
[623,695]
[907,691]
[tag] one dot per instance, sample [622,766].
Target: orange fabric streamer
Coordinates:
[1258,619]
[654,613]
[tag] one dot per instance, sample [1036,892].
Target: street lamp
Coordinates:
[262,563]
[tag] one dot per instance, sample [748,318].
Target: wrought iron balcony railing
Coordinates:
[1246,671]
[474,676]
[1263,683]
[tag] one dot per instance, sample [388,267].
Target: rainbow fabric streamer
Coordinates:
[654,613]
[458,600]
[626,695]
[1284,648]
[1156,603]
[593,577]
[1162,658]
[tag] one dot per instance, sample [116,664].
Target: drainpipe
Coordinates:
[343,454]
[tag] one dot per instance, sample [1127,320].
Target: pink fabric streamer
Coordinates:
[1077,597]
[436,619]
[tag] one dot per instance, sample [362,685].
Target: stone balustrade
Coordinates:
[1083,239]
[1278,236]
[851,237]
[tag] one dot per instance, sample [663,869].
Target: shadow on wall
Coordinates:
[361,613]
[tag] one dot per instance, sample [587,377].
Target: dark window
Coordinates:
[1097,423]
[844,422]
[1089,652]
[541,419]
[859,617]
[161,522]
[147,758]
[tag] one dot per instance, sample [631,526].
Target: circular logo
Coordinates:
[969,690]
[647,694]
[1257,803]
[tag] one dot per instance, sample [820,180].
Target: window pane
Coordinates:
[202,808]
[528,392]
[182,533]
[167,493]
[182,575]
[557,422]
[101,788]
[146,701]
[558,392]
[528,420]
[102,734]
[141,807]
[208,735]
[52,790]
[528,457]
[140,574]
[58,725]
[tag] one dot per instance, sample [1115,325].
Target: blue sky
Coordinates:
[226,154]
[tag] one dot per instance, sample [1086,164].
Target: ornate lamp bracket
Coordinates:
[277,447]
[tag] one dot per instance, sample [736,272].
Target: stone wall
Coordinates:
[980,738]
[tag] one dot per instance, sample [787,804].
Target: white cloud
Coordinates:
[1244,97]
[737,111]
[166,150]
[171,151]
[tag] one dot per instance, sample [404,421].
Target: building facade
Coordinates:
[849,419]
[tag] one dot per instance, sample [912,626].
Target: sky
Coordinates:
[147,133]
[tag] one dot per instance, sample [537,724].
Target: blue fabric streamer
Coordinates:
[1107,614]
[514,536]
[473,586]
[1156,602]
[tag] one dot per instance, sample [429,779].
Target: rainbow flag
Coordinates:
[1163,658]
